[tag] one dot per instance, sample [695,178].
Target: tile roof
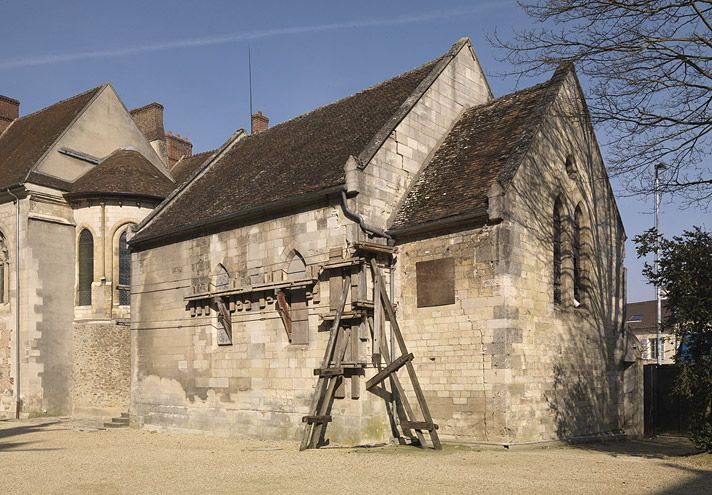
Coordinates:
[28,138]
[297,157]
[185,167]
[123,173]
[485,145]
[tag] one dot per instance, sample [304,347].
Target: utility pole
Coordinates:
[658,303]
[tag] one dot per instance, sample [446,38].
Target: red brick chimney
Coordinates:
[176,148]
[9,111]
[149,119]
[260,123]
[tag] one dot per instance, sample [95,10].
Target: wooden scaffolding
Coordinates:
[366,321]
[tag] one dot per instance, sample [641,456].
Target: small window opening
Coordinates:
[86,267]
[570,165]
[292,304]
[576,251]
[4,270]
[124,286]
[556,245]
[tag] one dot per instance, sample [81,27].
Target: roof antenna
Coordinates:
[249,69]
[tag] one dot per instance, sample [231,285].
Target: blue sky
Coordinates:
[192,58]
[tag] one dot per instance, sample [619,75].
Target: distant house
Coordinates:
[641,318]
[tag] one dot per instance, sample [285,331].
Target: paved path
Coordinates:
[49,456]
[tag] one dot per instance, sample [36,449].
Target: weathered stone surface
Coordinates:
[101,368]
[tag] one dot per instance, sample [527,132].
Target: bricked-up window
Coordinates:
[86,267]
[576,251]
[124,286]
[435,282]
[292,304]
[556,246]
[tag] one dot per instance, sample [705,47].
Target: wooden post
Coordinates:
[323,383]
[404,350]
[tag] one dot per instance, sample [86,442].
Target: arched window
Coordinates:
[292,303]
[297,267]
[224,328]
[86,267]
[222,278]
[556,246]
[124,285]
[4,272]
[576,252]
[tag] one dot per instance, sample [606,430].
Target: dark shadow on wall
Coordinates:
[586,392]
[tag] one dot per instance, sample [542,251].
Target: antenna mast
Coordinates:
[249,69]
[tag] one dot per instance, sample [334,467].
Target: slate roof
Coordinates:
[185,167]
[486,144]
[123,173]
[299,156]
[28,138]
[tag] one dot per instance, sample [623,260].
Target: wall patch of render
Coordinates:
[51,313]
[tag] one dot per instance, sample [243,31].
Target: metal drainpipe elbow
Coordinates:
[355,217]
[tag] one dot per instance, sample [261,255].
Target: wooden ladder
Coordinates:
[333,371]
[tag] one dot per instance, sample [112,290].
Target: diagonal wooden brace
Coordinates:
[386,372]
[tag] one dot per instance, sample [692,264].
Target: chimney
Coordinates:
[9,111]
[260,123]
[149,120]
[176,148]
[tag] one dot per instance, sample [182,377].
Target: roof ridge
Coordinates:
[65,100]
[439,65]
[352,95]
[511,166]
[184,157]
[177,191]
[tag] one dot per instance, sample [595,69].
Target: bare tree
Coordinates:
[648,68]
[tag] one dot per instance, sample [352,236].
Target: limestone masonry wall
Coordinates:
[390,172]
[7,317]
[566,379]
[261,385]
[462,350]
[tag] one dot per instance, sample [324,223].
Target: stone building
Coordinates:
[73,178]
[507,274]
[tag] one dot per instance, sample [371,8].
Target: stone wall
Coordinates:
[48,301]
[261,385]
[101,370]
[388,175]
[566,380]
[462,350]
[7,317]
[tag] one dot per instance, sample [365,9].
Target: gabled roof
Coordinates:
[186,166]
[28,138]
[485,146]
[295,158]
[123,173]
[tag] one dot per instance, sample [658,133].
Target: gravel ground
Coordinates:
[51,456]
